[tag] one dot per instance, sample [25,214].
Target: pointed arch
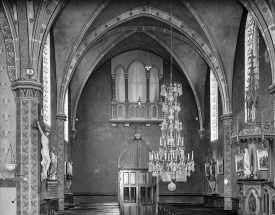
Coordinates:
[163,17]
[135,153]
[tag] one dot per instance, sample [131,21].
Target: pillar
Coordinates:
[227,122]
[147,75]
[113,87]
[126,75]
[271,145]
[60,118]
[27,94]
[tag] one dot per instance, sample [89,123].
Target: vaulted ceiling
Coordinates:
[205,33]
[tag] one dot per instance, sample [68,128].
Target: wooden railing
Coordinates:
[256,197]
[127,112]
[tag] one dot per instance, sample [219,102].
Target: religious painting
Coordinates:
[239,161]
[220,166]
[262,159]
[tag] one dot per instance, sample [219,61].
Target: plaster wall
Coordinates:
[7,195]
[7,115]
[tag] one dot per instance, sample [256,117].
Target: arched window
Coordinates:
[251,68]
[66,123]
[47,82]
[154,85]
[213,106]
[137,82]
[120,84]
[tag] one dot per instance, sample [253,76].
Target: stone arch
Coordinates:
[119,66]
[47,14]
[127,157]
[263,16]
[11,44]
[133,61]
[183,67]
[159,15]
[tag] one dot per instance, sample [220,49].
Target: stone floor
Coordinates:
[92,209]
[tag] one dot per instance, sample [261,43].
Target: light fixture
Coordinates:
[170,162]
[148,67]
[10,166]
[225,181]
[139,100]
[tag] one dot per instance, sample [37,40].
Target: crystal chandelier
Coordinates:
[170,162]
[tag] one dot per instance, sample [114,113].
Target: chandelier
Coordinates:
[170,162]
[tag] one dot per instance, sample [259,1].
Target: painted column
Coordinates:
[27,94]
[60,118]
[227,122]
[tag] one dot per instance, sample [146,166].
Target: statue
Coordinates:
[247,170]
[46,160]
[70,168]
[53,165]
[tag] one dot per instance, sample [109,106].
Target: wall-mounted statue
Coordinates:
[46,160]
[53,165]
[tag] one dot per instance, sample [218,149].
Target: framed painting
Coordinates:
[239,159]
[262,159]
[220,166]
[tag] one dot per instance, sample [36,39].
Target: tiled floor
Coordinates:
[92,209]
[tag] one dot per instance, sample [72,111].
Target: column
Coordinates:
[113,87]
[60,118]
[271,146]
[27,94]
[227,122]
[147,75]
[126,75]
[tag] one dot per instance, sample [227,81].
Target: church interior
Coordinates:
[137,107]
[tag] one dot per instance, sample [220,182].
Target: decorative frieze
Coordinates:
[9,44]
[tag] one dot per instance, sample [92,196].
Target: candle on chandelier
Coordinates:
[192,156]
[182,141]
[160,141]
[188,156]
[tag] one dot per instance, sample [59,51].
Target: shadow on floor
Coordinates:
[92,209]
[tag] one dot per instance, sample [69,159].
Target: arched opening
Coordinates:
[136,184]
